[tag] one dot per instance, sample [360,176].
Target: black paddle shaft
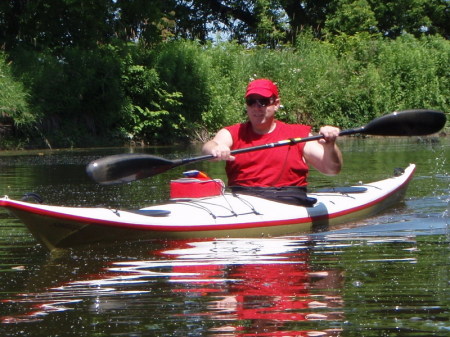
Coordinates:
[124,168]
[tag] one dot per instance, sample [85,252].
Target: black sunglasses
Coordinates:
[261,101]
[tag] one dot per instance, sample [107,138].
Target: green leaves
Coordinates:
[14,107]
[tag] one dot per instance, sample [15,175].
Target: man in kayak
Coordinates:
[278,173]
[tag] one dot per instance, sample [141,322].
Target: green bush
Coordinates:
[415,72]
[345,82]
[182,90]
[14,106]
[227,78]
[77,95]
[181,66]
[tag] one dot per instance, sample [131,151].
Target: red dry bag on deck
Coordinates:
[195,184]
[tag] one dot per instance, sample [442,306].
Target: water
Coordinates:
[383,276]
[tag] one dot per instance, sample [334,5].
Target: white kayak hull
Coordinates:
[226,215]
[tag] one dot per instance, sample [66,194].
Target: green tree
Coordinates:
[396,17]
[77,95]
[147,21]
[150,114]
[352,17]
[14,106]
[83,71]
[266,21]
[56,24]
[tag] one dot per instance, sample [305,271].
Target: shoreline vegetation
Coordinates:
[181,91]
[185,91]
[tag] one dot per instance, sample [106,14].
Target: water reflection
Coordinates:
[263,284]
[241,287]
[291,286]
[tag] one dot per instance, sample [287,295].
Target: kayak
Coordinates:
[224,215]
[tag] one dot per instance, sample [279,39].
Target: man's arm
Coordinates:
[324,154]
[220,145]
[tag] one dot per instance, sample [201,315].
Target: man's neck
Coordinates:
[265,129]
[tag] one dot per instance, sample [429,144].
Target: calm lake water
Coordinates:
[383,276]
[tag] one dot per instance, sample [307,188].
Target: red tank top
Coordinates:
[274,167]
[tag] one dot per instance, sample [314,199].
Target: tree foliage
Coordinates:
[13,97]
[85,23]
[273,22]
[84,72]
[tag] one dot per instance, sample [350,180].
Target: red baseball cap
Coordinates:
[262,87]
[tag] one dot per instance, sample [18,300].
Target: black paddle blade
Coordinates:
[419,122]
[125,168]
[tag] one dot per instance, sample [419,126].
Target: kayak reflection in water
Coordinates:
[278,173]
[261,290]
[222,287]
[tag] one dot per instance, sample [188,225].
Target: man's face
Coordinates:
[261,110]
